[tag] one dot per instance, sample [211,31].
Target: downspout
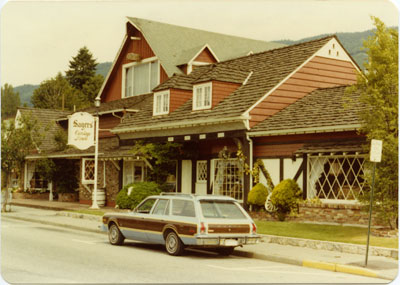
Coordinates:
[250,159]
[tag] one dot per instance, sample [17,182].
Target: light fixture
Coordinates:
[97,102]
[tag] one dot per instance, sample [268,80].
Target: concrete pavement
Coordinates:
[54,213]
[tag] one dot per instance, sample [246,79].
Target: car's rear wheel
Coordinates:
[114,235]
[173,244]
[225,251]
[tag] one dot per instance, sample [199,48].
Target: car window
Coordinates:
[146,206]
[183,208]
[221,210]
[162,207]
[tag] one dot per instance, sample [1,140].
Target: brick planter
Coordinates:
[36,196]
[340,214]
[68,197]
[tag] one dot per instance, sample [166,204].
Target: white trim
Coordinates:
[163,96]
[180,124]
[131,64]
[203,86]
[200,51]
[306,130]
[112,68]
[291,74]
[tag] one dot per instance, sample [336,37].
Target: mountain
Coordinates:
[26,90]
[352,42]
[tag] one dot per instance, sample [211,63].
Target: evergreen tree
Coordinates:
[378,88]
[82,68]
[10,101]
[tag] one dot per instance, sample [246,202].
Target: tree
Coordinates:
[55,93]
[16,144]
[10,101]
[82,68]
[378,88]
[90,90]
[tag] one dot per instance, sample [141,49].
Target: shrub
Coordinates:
[285,197]
[257,195]
[140,191]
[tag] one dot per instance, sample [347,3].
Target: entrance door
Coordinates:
[201,177]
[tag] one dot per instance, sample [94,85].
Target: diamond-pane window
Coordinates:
[228,178]
[88,171]
[336,177]
[202,171]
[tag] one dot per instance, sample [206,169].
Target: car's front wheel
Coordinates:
[114,235]
[173,244]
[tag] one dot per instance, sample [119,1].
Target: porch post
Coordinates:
[246,178]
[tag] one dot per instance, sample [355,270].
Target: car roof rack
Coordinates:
[177,194]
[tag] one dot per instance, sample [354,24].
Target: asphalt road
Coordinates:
[37,253]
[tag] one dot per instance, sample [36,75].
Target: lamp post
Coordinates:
[96,154]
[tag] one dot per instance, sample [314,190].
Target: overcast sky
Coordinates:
[38,38]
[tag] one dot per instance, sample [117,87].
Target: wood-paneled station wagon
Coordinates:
[184,220]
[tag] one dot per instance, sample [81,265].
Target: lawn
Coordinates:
[89,212]
[345,234]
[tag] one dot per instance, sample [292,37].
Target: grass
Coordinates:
[347,234]
[89,212]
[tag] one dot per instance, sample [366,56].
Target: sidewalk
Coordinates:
[54,213]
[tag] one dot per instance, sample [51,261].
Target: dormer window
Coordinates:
[161,103]
[140,78]
[202,96]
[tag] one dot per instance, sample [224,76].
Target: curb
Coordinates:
[56,224]
[335,267]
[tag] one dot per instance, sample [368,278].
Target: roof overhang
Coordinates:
[311,130]
[182,124]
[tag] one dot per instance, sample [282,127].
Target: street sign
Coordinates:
[376,151]
[81,130]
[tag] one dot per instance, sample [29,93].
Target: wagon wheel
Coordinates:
[268,204]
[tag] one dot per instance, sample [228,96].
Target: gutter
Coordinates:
[106,112]
[311,130]
[180,124]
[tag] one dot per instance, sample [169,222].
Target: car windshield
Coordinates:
[221,210]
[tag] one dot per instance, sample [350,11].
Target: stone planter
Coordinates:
[68,197]
[36,196]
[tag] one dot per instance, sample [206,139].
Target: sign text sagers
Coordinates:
[81,127]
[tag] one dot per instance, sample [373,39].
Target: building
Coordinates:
[212,93]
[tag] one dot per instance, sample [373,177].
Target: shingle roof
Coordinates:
[46,120]
[175,44]
[269,68]
[323,107]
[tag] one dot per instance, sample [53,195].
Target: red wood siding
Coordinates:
[320,72]
[107,122]
[205,56]
[221,90]
[112,90]
[178,97]
[285,146]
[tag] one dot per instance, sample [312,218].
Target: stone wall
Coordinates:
[112,183]
[341,214]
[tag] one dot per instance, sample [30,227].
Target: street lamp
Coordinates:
[96,154]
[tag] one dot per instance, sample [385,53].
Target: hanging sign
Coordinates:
[376,151]
[81,130]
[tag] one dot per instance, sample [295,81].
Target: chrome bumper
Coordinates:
[227,241]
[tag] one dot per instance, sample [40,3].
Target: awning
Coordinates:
[333,147]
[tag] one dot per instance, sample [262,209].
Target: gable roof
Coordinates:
[46,121]
[321,110]
[268,70]
[173,45]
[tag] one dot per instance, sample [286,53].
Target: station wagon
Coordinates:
[181,221]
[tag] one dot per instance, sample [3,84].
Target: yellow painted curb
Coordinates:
[355,270]
[319,265]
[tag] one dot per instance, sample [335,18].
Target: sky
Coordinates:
[39,38]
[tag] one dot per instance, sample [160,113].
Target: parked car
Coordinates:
[179,221]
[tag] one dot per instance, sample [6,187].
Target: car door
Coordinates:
[136,225]
[158,218]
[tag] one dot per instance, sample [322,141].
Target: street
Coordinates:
[37,253]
